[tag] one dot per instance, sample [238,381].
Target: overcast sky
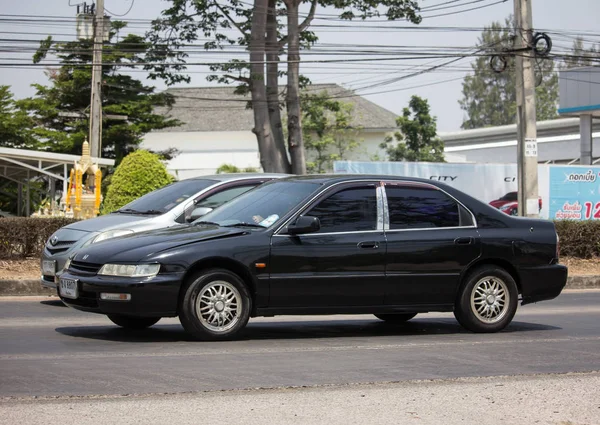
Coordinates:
[554,15]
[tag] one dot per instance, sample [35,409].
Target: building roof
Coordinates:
[220,109]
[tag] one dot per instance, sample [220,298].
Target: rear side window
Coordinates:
[216,200]
[349,210]
[421,208]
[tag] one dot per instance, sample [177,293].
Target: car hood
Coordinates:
[138,246]
[109,221]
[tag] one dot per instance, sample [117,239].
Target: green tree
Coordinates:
[489,98]
[60,110]
[265,27]
[581,56]
[139,173]
[329,132]
[15,124]
[417,139]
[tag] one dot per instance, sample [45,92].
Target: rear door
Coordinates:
[431,238]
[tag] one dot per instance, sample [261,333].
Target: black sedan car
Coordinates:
[388,246]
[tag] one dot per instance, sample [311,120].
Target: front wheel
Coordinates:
[488,300]
[216,305]
[130,322]
[396,318]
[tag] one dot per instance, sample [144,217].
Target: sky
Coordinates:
[371,79]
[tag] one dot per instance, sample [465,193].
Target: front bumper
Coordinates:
[542,283]
[150,297]
[47,283]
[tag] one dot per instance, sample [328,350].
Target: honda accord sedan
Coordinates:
[388,246]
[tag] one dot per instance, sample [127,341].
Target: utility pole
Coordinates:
[527,154]
[95,136]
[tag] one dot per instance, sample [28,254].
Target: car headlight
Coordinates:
[130,270]
[506,207]
[109,234]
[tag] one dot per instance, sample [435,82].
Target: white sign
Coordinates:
[531,147]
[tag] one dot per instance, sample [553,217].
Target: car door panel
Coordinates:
[327,270]
[424,266]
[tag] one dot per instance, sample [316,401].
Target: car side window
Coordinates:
[216,199]
[349,210]
[421,208]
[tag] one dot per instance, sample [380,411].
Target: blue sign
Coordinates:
[575,193]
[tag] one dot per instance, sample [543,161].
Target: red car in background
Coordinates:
[509,204]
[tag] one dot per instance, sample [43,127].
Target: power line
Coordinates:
[124,14]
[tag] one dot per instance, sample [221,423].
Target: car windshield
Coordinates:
[165,199]
[261,207]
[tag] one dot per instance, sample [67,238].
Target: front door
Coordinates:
[431,240]
[343,264]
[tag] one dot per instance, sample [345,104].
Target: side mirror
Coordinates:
[199,212]
[304,224]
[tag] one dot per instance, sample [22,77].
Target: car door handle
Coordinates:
[464,241]
[367,245]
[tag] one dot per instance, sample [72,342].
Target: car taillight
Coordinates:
[557,247]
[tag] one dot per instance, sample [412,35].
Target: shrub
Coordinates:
[580,239]
[229,168]
[140,172]
[22,237]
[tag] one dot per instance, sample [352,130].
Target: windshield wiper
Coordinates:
[244,224]
[132,211]
[205,222]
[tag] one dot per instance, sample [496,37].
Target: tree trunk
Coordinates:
[269,158]
[272,44]
[295,144]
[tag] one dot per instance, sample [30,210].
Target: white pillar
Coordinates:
[585,131]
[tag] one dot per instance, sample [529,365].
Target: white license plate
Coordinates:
[49,267]
[68,288]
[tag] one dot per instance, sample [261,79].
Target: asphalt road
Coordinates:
[49,350]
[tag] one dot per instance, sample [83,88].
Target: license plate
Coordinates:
[49,267]
[68,288]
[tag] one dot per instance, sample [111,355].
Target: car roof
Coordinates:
[238,176]
[340,178]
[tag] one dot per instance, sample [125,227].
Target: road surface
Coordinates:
[55,358]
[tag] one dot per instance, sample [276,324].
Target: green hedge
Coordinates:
[25,237]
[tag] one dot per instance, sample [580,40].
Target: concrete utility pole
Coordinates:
[526,122]
[96,102]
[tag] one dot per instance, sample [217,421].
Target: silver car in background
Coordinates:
[178,203]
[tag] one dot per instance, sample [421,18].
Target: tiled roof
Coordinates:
[220,109]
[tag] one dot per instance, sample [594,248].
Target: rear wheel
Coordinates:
[130,322]
[396,318]
[216,305]
[488,300]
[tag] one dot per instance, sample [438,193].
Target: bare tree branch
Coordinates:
[307,21]
[240,79]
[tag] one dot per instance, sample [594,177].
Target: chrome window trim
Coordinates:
[431,186]
[308,204]
[386,211]
[336,233]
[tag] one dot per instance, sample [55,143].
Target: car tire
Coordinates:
[395,317]
[130,322]
[215,305]
[487,301]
